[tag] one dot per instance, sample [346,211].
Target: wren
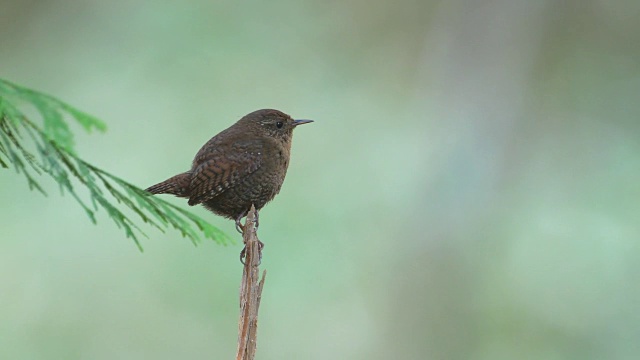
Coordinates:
[243,165]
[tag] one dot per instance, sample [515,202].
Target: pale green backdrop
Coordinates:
[469,189]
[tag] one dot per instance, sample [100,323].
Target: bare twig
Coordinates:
[250,291]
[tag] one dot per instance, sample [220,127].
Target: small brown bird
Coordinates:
[243,165]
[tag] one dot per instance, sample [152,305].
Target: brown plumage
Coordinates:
[242,165]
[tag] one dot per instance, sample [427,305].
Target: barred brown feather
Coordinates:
[177,185]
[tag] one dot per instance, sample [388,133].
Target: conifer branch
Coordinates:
[33,150]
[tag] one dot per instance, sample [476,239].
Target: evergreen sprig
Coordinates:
[55,155]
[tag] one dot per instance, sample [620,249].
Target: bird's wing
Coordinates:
[220,170]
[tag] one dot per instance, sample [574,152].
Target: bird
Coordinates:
[241,166]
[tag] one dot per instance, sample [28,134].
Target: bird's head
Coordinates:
[273,123]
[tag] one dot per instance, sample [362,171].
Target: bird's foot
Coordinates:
[239,225]
[243,253]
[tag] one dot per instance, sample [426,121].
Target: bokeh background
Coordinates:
[469,189]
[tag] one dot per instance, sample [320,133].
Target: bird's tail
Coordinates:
[178,185]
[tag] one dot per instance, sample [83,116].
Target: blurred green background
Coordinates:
[469,189]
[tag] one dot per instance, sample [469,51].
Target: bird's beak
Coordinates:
[300,122]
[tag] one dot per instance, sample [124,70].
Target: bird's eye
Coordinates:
[279,124]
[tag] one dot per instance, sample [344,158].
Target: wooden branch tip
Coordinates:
[250,290]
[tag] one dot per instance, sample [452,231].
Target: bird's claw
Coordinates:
[243,253]
[239,226]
